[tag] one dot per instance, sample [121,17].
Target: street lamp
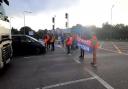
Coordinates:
[24,18]
[112,13]
[24,15]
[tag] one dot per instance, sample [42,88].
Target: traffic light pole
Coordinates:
[67,22]
[53,21]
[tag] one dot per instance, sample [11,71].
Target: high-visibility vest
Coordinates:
[52,39]
[69,41]
[46,39]
[95,42]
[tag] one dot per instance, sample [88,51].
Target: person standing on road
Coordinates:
[52,41]
[46,40]
[68,44]
[62,40]
[82,50]
[81,53]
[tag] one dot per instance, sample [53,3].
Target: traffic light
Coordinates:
[66,15]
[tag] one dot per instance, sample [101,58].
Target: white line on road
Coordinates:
[37,88]
[113,51]
[26,57]
[108,50]
[76,60]
[119,51]
[67,83]
[104,83]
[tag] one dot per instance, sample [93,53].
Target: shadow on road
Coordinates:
[4,70]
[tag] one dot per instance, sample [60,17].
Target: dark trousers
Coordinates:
[52,46]
[68,49]
[81,53]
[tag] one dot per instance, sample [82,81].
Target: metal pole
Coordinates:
[53,22]
[111,13]
[25,18]
[66,23]
[24,21]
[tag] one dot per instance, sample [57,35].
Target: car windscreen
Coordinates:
[33,38]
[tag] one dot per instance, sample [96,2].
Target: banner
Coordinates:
[85,45]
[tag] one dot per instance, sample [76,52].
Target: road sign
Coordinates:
[31,33]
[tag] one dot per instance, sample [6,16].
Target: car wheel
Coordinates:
[37,51]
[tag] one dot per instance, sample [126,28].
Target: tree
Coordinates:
[14,31]
[40,33]
[25,30]
[5,1]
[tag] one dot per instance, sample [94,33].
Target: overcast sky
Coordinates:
[85,12]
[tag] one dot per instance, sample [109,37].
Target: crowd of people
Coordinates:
[49,40]
[68,42]
[64,41]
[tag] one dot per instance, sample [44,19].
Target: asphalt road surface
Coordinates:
[57,70]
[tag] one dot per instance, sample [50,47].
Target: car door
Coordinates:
[16,45]
[26,44]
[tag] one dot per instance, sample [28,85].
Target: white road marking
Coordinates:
[67,83]
[76,60]
[119,51]
[113,51]
[27,57]
[109,50]
[104,83]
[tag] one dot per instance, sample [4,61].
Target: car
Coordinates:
[24,44]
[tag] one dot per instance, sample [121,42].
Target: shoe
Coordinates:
[80,56]
[69,54]
[94,64]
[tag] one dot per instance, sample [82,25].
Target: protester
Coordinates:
[62,40]
[95,45]
[81,53]
[82,50]
[68,44]
[52,41]
[46,40]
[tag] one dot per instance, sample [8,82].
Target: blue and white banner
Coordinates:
[84,44]
[85,47]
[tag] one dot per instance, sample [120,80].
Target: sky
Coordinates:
[84,12]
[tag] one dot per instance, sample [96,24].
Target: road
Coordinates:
[56,70]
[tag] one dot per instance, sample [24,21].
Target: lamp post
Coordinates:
[112,13]
[24,17]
